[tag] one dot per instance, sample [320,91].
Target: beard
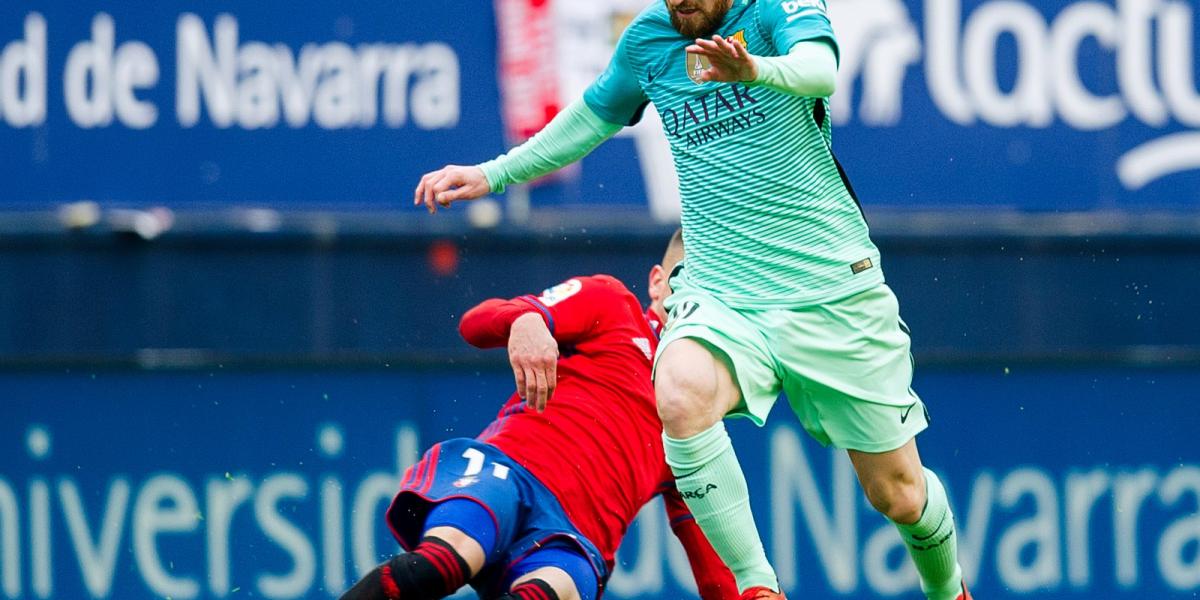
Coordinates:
[701,23]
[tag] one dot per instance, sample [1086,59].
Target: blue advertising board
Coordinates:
[262,103]
[1076,483]
[1027,104]
[1047,105]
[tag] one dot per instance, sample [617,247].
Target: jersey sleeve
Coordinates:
[572,310]
[616,95]
[488,323]
[788,22]
[713,579]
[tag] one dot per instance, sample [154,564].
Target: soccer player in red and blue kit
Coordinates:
[535,507]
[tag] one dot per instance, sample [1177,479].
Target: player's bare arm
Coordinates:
[450,183]
[533,354]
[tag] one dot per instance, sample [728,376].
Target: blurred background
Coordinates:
[224,330]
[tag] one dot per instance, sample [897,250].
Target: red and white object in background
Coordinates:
[529,90]
[550,51]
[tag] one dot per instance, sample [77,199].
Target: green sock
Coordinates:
[933,544]
[712,484]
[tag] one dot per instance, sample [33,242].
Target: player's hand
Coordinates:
[731,62]
[450,183]
[533,353]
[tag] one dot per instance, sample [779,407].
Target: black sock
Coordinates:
[431,571]
[534,589]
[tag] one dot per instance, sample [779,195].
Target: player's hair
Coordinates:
[674,252]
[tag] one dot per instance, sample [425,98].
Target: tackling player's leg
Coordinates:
[694,390]
[434,569]
[444,560]
[553,573]
[913,498]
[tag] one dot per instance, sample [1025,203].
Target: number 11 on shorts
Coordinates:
[475,460]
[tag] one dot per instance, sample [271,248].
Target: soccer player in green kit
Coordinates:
[781,288]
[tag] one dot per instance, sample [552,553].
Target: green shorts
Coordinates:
[844,366]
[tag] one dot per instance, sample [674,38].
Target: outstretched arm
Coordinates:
[616,96]
[569,136]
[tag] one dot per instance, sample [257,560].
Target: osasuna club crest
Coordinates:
[697,64]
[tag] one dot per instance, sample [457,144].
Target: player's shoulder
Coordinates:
[654,22]
[651,18]
[784,11]
[610,292]
[586,286]
[606,283]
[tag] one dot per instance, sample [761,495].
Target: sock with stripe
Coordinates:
[534,589]
[430,571]
[710,479]
[933,544]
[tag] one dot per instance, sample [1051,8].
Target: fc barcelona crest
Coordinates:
[697,64]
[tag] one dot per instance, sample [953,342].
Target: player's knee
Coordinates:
[684,406]
[462,544]
[686,390]
[902,500]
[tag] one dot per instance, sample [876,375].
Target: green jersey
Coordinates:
[769,219]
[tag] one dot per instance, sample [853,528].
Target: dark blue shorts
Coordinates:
[527,516]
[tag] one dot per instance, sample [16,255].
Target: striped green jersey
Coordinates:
[769,219]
